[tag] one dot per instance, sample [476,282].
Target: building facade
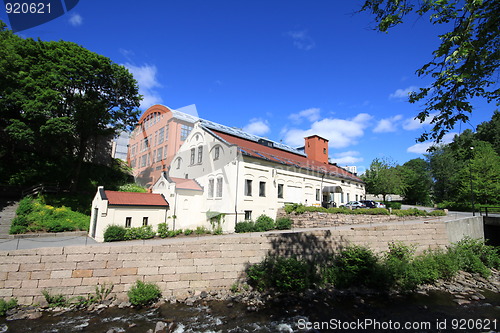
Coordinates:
[223,171]
[158,136]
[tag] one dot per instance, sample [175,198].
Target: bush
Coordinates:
[25,206]
[356,266]
[55,300]
[142,294]
[475,257]
[264,223]
[114,233]
[163,230]
[282,274]
[392,204]
[201,231]
[246,226]
[283,223]
[7,305]
[132,187]
[188,232]
[144,232]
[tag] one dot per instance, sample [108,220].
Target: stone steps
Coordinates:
[7,213]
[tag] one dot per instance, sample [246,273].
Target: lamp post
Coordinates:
[471,188]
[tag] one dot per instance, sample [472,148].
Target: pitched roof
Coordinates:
[135,199]
[186,184]
[286,157]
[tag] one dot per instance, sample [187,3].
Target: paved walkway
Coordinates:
[64,239]
[7,213]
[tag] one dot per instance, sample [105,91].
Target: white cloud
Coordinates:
[411,124]
[147,81]
[311,114]
[388,124]
[340,132]
[257,127]
[347,158]
[402,93]
[421,148]
[76,20]
[302,40]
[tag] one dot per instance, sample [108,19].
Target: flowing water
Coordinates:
[435,312]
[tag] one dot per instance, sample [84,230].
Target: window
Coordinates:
[128,222]
[318,194]
[154,156]
[145,221]
[210,188]
[178,163]
[216,153]
[280,191]
[166,133]
[143,160]
[347,197]
[356,197]
[248,215]
[165,152]
[192,156]
[200,154]
[159,154]
[185,130]
[219,187]
[262,189]
[161,135]
[248,187]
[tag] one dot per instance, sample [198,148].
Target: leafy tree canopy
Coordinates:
[466,63]
[57,100]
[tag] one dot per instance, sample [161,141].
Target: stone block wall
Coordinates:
[180,265]
[325,220]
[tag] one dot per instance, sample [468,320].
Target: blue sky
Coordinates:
[279,69]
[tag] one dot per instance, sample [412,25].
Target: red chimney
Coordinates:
[316,148]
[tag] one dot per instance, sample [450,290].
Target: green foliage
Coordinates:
[114,233]
[283,223]
[465,65]
[132,187]
[34,215]
[144,232]
[173,233]
[58,101]
[188,232]
[392,204]
[356,265]
[7,305]
[264,223]
[142,294]
[282,274]
[201,231]
[245,226]
[163,230]
[216,219]
[383,178]
[55,300]
[475,256]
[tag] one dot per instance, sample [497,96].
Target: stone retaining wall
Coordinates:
[180,265]
[325,220]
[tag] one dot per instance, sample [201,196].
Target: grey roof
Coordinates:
[238,132]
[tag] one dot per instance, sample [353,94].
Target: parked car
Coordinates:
[368,203]
[354,205]
[379,205]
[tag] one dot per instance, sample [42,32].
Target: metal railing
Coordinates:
[489,210]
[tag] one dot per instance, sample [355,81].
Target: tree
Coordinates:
[383,178]
[418,182]
[489,131]
[57,98]
[465,65]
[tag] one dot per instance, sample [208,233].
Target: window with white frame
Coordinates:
[219,187]
[210,188]
[248,187]
[280,190]
[159,154]
[192,156]
[262,189]
[216,153]
[200,154]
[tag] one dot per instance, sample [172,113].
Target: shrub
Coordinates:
[17,229]
[114,233]
[144,232]
[201,231]
[132,187]
[163,230]
[282,274]
[264,223]
[142,294]
[283,223]
[392,204]
[7,305]
[246,226]
[55,300]
[25,206]
[356,266]
[188,232]
[475,257]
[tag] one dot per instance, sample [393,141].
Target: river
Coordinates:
[319,312]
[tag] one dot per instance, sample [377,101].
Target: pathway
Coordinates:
[7,213]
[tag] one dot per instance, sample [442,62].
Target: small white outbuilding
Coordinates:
[127,209]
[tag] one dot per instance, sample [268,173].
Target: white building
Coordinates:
[223,170]
[126,209]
